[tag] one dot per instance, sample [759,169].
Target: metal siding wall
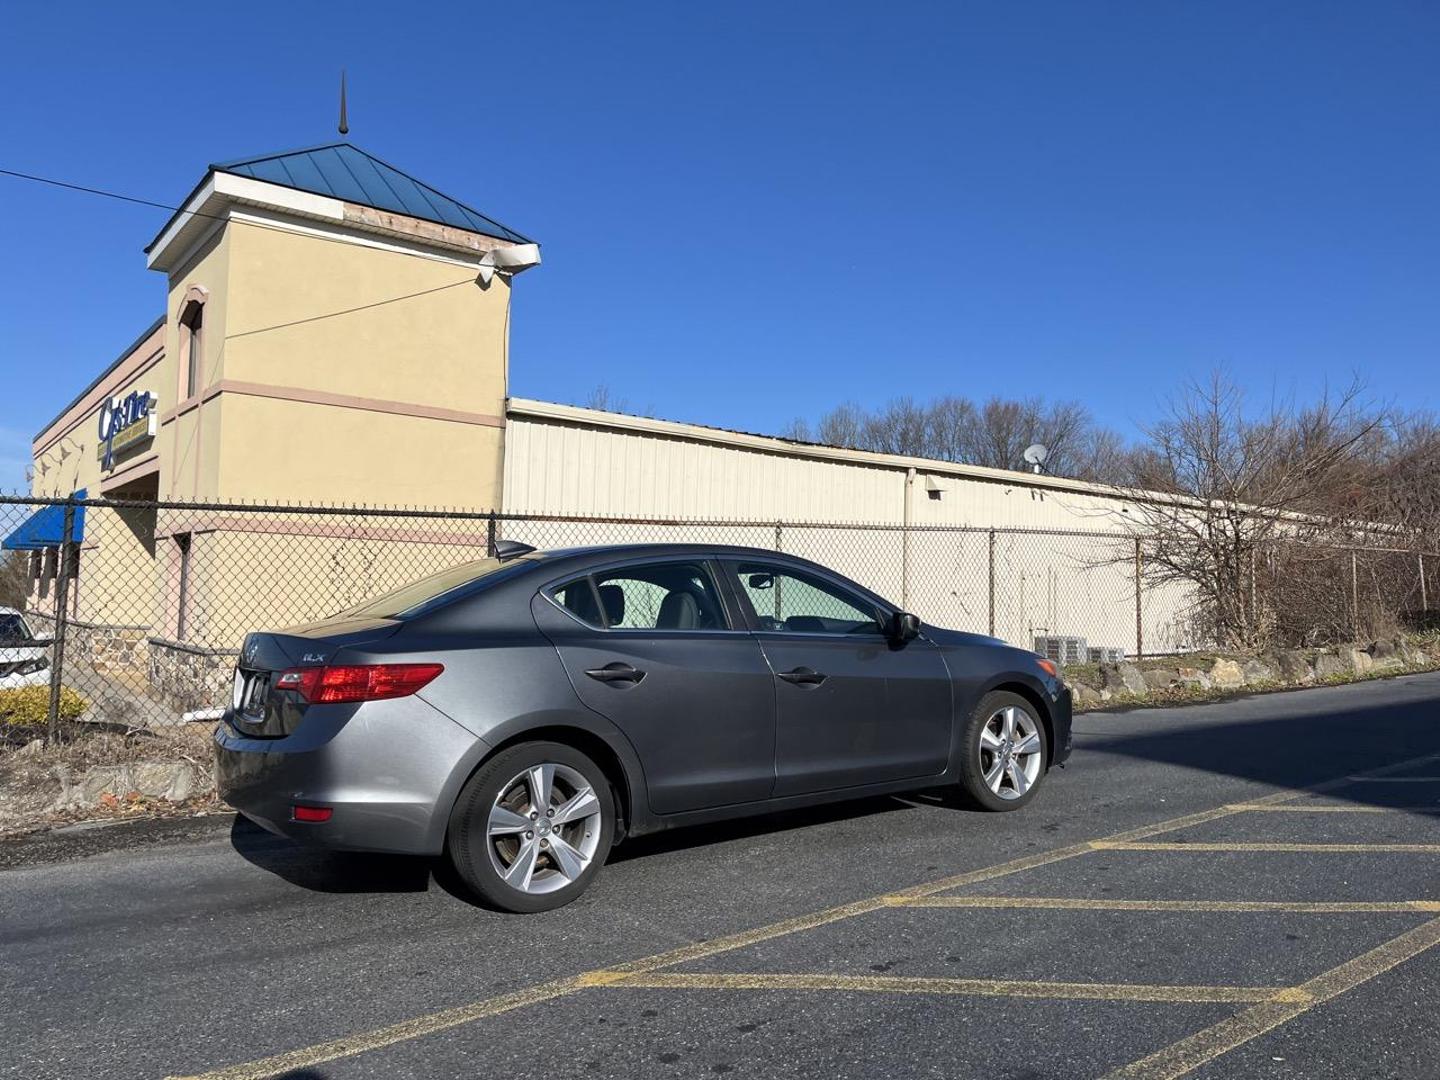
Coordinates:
[565,469]
[1017,506]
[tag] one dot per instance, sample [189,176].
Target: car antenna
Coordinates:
[511,549]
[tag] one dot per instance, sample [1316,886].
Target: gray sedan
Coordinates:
[521,714]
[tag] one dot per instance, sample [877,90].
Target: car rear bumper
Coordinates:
[388,771]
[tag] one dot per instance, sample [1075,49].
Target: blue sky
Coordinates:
[753,212]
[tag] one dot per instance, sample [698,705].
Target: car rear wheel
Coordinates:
[1005,753]
[532,827]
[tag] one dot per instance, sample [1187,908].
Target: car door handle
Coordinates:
[616,673]
[802,676]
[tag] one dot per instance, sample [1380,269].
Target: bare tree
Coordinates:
[14,579]
[844,426]
[954,425]
[604,399]
[1221,488]
[901,427]
[995,435]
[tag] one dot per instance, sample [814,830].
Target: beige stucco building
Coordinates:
[336,332]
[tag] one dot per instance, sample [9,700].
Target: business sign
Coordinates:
[125,422]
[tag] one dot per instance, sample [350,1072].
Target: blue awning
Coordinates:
[46,528]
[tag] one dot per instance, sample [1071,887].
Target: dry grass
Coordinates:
[30,773]
[84,745]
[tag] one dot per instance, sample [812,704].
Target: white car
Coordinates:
[24,659]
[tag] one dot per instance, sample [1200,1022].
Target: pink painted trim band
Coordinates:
[137,469]
[189,403]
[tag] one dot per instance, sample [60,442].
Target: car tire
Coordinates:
[985,745]
[511,853]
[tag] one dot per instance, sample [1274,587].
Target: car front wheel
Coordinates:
[1005,753]
[532,827]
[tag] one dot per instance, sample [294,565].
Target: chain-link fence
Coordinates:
[132,613]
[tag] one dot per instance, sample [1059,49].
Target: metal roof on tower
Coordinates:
[346,172]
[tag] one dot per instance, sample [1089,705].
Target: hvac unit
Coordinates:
[1106,654]
[1061,648]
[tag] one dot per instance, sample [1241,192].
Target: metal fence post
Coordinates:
[490,536]
[1254,597]
[992,582]
[905,567]
[1424,600]
[62,597]
[1354,595]
[1139,626]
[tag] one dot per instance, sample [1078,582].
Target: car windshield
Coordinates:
[13,628]
[410,600]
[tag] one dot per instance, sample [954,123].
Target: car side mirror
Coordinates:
[904,627]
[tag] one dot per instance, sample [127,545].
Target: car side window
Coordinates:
[580,599]
[649,596]
[787,599]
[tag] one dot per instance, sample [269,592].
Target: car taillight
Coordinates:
[337,683]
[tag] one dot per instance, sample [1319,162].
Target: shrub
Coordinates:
[29,706]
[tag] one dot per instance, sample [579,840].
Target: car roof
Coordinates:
[627,550]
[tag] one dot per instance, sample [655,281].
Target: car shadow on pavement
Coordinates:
[328,871]
[695,836]
[1295,750]
[357,872]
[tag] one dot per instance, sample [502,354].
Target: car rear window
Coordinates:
[428,593]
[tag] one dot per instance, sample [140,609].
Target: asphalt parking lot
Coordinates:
[1248,889]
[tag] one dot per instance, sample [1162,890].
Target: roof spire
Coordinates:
[344,125]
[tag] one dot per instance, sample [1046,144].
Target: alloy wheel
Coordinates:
[1011,752]
[543,828]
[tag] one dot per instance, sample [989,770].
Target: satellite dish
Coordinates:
[1035,455]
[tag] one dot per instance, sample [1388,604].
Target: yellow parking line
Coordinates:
[1065,903]
[894,984]
[981,988]
[349,1046]
[378,1038]
[1195,1050]
[1409,849]
[1300,808]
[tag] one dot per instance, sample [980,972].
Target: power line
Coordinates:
[101,192]
[95,191]
[351,311]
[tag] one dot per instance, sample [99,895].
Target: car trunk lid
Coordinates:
[256,707]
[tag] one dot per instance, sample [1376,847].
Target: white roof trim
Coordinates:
[181,221]
[214,199]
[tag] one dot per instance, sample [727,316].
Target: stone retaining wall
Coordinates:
[108,648]
[1158,678]
[190,677]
